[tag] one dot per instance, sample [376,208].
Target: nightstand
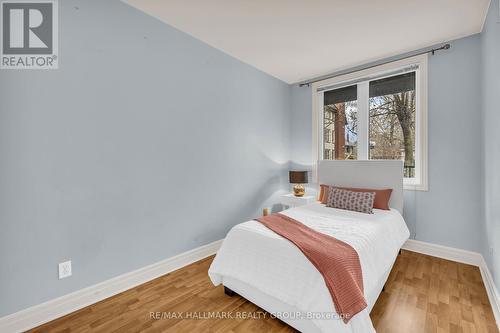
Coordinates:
[291,200]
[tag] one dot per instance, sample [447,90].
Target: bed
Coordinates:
[272,273]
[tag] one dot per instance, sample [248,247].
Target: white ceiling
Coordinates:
[295,40]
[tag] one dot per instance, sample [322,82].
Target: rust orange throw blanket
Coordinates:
[337,261]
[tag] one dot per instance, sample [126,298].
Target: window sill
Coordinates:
[409,186]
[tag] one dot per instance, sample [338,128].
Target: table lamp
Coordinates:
[298,178]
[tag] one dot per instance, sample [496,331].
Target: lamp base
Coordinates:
[298,190]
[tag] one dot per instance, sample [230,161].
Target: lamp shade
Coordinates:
[298,177]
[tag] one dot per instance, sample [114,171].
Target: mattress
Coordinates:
[262,260]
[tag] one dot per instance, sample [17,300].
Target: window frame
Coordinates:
[363,77]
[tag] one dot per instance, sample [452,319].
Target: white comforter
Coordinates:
[270,263]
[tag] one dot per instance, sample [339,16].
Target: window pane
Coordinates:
[340,124]
[392,120]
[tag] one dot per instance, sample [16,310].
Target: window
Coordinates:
[378,113]
[340,122]
[392,120]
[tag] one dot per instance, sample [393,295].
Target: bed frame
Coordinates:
[364,174]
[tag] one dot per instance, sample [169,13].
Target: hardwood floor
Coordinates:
[423,294]
[428,294]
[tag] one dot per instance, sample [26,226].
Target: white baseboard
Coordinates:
[462,256]
[53,309]
[50,310]
[492,291]
[444,252]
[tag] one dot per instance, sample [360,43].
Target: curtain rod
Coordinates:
[307,83]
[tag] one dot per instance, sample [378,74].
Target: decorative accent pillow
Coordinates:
[323,193]
[382,196]
[356,201]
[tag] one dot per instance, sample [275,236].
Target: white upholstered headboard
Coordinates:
[368,174]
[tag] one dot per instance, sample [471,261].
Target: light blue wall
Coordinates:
[450,213]
[144,144]
[490,38]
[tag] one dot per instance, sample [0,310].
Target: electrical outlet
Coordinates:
[64,269]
